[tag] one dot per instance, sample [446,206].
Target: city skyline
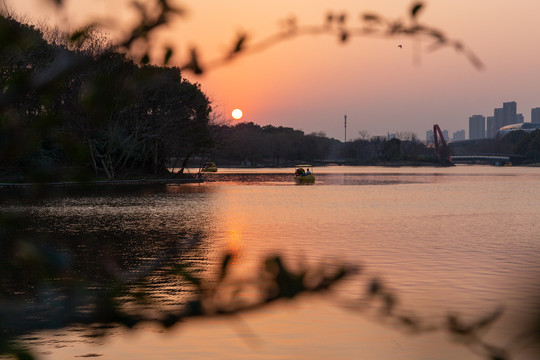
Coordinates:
[481,126]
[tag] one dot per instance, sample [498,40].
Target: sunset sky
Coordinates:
[311,82]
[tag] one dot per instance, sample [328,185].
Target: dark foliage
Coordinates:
[528,145]
[248,144]
[90,108]
[392,149]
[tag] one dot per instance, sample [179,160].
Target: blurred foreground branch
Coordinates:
[62,301]
[338,25]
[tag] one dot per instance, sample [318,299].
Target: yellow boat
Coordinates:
[303,175]
[209,167]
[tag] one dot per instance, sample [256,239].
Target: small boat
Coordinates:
[303,175]
[209,167]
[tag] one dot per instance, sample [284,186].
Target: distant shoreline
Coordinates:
[103,182]
[5,183]
[399,163]
[316,165]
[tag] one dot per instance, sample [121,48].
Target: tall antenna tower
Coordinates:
[345,128]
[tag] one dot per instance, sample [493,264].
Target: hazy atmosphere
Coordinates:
[176,180]
[311,82]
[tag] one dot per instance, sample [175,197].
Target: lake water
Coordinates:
[462,240]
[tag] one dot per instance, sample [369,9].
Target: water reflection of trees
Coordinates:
[97,237]
[99,259]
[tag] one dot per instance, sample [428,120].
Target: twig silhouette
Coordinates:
[371,25]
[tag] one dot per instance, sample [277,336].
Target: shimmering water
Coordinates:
[464,239]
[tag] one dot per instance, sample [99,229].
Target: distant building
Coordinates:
[491,130]
[429,137]
[477,127]
[528,127]
[445,135]
[535,115]
[498,121]
[458,135]
[509,113]
[480,127]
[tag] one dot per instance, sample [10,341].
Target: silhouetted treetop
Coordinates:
[91,107]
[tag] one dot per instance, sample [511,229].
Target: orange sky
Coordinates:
[310,83]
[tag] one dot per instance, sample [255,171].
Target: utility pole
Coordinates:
[345,128]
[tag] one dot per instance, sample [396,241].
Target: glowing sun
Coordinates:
[237,114]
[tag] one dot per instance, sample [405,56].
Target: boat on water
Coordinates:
[209,166]
[303,174]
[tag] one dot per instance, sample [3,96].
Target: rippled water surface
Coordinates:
[464,239]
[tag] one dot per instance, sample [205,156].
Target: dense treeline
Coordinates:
[528,145]
[405,147]
[248,144]
[101,112]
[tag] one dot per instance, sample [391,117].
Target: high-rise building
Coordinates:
[429,137]
[519,119]
[445,135]
[535,115]
[459,135]
[498,119]
[509,113]
[490,127]
[477,127]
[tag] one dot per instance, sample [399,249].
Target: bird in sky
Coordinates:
[399,46]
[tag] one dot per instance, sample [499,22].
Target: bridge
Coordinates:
[498,159]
